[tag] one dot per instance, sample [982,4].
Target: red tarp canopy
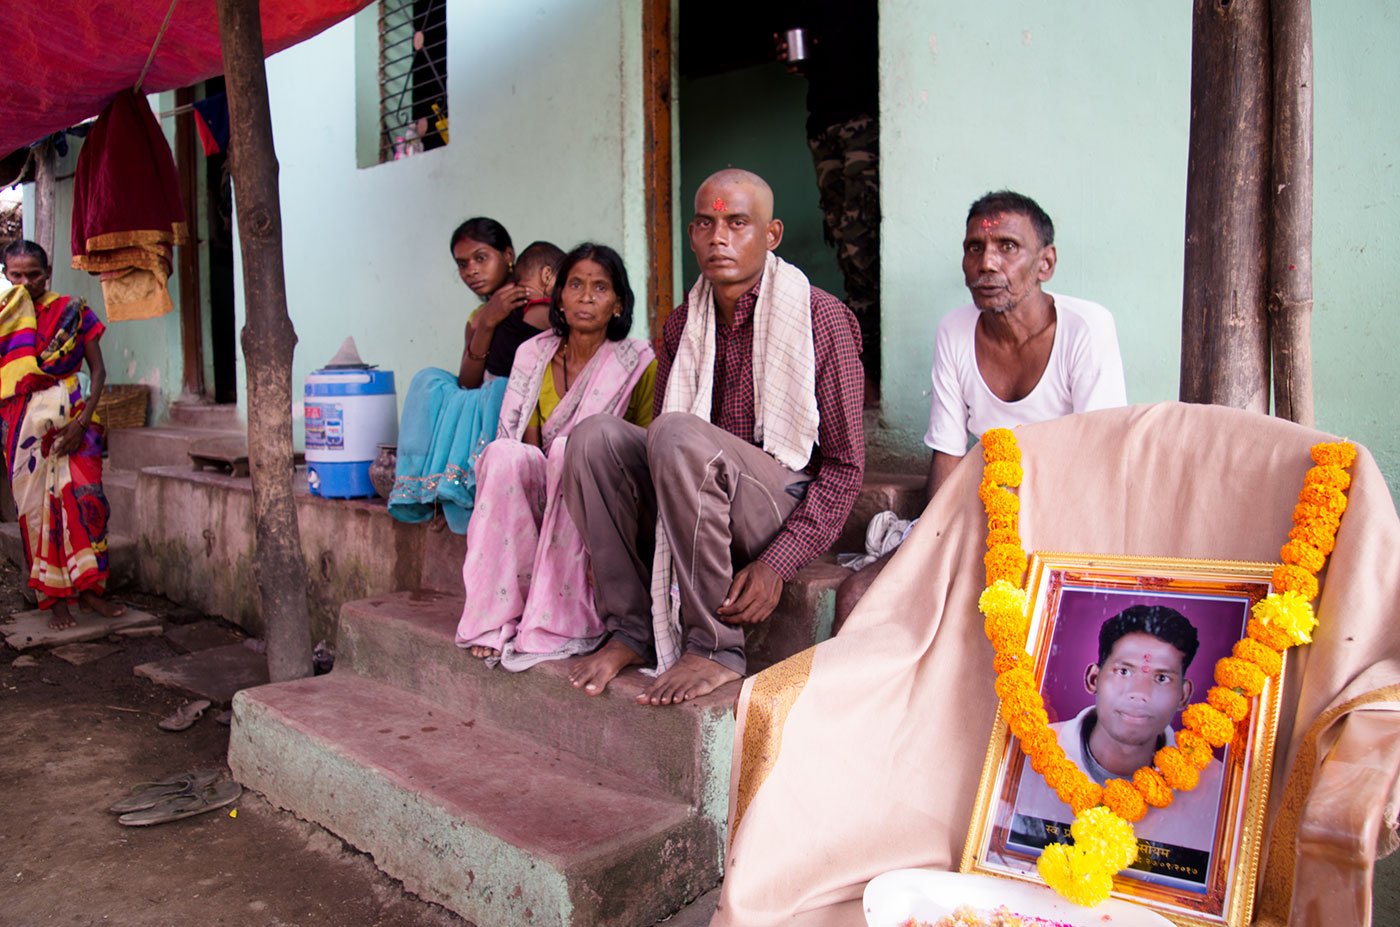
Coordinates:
[64,59]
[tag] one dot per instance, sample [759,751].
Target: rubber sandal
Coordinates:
[185,806]
[185,716]
[147,794]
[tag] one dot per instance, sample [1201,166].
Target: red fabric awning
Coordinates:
[63,60]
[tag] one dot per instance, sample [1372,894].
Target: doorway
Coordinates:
[739,105]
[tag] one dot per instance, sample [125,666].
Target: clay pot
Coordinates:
[381,472]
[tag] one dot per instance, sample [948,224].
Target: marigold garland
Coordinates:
[1104,842]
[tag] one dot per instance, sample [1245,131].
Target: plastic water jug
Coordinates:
[350,411]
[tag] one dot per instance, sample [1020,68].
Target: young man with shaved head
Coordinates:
[747,472]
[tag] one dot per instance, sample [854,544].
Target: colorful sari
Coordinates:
[62,510]
[526,570]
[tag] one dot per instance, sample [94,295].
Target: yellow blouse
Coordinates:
[638,410]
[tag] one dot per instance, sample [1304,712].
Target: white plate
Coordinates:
[893,898]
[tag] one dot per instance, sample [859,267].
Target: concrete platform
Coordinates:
[122,560]
[900,492]
[119,486]
[803,618]
[469,814]
[206,415]
[31,628]
[216,674]
[139,448]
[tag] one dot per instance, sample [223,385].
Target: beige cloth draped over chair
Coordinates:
[863,754]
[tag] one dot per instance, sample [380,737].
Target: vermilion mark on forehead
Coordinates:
[719,205]
[990,223]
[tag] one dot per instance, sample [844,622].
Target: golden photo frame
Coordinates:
[1200,867]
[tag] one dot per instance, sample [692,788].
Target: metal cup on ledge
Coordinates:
[791,46]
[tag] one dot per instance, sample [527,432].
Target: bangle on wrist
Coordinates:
[476,357]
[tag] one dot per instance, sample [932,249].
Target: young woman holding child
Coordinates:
[448,418]
[529,597]
[53,443]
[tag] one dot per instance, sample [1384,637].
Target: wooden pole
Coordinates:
[45,193]
[1290,244]
[268,340]
[187,159]
[656,84]
[1224,333]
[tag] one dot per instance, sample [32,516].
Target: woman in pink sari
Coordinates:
[529,597]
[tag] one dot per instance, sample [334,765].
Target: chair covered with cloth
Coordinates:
[863,754]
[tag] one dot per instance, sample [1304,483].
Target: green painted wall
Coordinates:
[756,119]
[1086,108]
[546,136]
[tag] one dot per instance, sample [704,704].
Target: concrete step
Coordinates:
[468,814]
[900,492]
[122,556]
[206,415]
[139,448]
[119,486]
[803,617]
[406,640]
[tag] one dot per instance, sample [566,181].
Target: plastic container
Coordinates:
[349,413]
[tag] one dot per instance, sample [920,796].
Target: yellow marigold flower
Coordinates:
[1289,612]
[1322,537]
[1290,578]
[1268,634]
[1178,773]
[1104,833]
[1194,749]
[1005,562]
[1329,475]
[1229,702]
[1075,875]
[1124,800]
[1000,444]
[1234,673]
[1152,787]
[1003,473]
[1334,454]
[1206,720]
[1002,597]
[1303,554]
[1269,661]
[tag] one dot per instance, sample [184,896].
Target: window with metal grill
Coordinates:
[412,77]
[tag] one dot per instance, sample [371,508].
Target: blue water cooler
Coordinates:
[350,411]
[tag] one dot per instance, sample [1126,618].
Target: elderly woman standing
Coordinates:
[53,446]
[529,597]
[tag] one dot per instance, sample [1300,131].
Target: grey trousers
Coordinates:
[721,499]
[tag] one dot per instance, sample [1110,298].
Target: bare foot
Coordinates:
[483,653]
[60,619]
[593,672]
[95,603]
[692,677]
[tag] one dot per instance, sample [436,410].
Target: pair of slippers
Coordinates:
[183,795]
[185,716]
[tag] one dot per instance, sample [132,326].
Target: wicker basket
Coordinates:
[123,405]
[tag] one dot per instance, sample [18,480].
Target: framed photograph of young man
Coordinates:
[1121,646]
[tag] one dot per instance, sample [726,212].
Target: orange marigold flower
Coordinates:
[1194,749]
[1334,454]
[1059,772]
[1178,773]
[1234,673]
[1009,659]
[1153,787]
[1040,741]
[1320,536]
[1004,523]
[1007,562]
[1268,635]
[999,501]
[1290,578]
[1268,660]
[1324,497]
[1303,554]
[1000,444]
[1124,800]
[1210,723]
[1229,702]
[1329,475]
[1085,795]
[1013,680]
[997,536]
[1003,473]
[1007,630]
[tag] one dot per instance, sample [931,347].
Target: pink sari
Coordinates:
[526,571]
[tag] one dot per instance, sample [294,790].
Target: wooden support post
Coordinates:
[656,91]
[1291,196]
[45,192]
[187,160]
[268,340]
[1224,333]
